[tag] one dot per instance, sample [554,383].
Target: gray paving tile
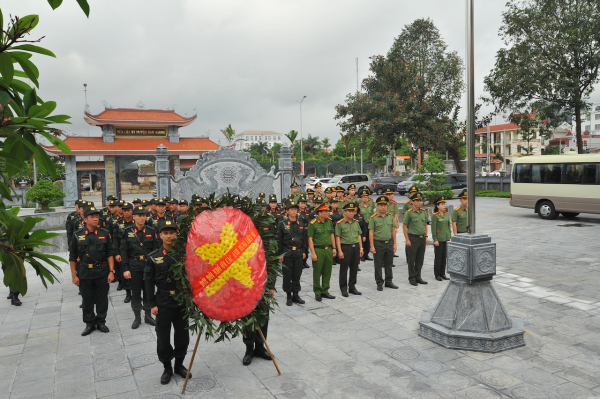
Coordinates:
[115,386]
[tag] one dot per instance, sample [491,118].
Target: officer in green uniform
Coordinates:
[329,195]
[335,215]
[91,258]
[321,242]
[348,237]
[291,237]
[136,242]
[366,210]
[351,197]
[460,215]
[392,205]
[408,204]
[415,234]
[303,210]
[440,233]
[294,194]
[310,195]
[382,236]
[318,193]
[165,307]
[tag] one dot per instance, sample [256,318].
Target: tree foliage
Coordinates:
[551,60]
[229,134]
[44,192]
[24,118]
[431,178]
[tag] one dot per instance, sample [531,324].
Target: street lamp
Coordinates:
[23,185]
[301,144]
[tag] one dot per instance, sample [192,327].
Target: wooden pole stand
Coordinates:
[269,349]
[187,377]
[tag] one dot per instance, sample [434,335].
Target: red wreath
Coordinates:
[215,238]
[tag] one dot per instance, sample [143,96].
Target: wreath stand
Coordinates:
[187,377]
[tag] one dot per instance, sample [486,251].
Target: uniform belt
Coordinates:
[294,248]
[460,232]
[322,247]
[385,242]
[173,292]
[417,236]
[349,245]
[92,265]
[140,257]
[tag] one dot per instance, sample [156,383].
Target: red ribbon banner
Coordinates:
[213,272]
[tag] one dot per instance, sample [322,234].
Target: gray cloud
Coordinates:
[238,62]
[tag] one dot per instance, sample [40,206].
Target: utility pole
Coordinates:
[470,118]
[86,105]
[301,144]
[361,133]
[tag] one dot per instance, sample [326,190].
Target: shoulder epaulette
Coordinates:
[313,221]
[436,213]
[407,202]
[456,209]
[411,210]
[329,219]
[340,221]
[388,214]
[373,215]
[394,201]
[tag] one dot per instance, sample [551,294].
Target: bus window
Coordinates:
[546,173]
[523,173]
[590,175]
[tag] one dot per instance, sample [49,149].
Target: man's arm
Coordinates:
[124,251]
[454,229]
[405,231]
[371,241]
[74,277]
[333,244]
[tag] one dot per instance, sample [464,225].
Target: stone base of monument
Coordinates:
[470,315]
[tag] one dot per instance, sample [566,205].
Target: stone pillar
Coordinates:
[70,185]
[285,169]
[108,134]
[470,315]
[110,176]
[173,133]
[162,172]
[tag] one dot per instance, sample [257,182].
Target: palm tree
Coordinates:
[229,134]
[312,144]
[262,148]
[326,144]
[275,151]
[292,138]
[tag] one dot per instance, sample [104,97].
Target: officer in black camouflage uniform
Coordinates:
[91,258]
[136,242]
[291,237]
[165,307]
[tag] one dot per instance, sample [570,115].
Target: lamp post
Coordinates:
[23,185]
[471,118]
[301,144]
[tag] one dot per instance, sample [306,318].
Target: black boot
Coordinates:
[9,295]
[120,286]
[88,329]
[137,321]
[289,299]
[15,299]
[296,298]
[262,352]
[249,354]
[149,320]
[127,296]
[165,378]
[180,369]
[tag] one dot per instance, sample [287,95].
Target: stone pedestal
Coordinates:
[470,315]
[162,172]
[285,170]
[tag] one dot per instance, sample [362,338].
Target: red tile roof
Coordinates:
[134,146]
[116,116]
[498,128]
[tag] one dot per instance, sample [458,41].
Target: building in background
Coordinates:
[249,137]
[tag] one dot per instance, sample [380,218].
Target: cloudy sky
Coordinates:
[241,62]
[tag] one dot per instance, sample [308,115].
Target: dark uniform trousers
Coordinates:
[351,260]
[415,254]
[441,252]
[366,245]
[166,317]
[292,270]
[94,291]
[384,258]
[253,337]
[10,288]
[138,291]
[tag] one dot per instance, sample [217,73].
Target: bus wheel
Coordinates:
[546,210]
[570,215]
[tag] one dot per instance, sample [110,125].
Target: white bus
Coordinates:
[551,184]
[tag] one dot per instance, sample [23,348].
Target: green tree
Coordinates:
[312,145]
[275,151]
[551,60]
[292,135]
[325,143]
[44,192]
[261,147]
[432,185]
[229,134]
[24,117]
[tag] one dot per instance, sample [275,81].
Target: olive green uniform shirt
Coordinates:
[91,248]
[461,217]
[320,232]
[382,226]
[441,230]
[407,205]
[366,210]
[348,231]
[393,208]
[416,221]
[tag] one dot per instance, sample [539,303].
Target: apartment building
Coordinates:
[249,137]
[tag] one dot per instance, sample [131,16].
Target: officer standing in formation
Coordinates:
[91,258]
[348,237]
[441,234]
[160,291]
[460,216]
[291,237]
[321,242]
[415,235]
[136,242]
[382,237]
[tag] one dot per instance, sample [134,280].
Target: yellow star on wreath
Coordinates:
[239,270]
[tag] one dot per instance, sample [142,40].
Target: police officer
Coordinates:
[339,194]
[303,210]
[136,202]
[318,193]
[136,242]
[366,210]
[351,197]
[408,204]
[441,234]
[119,225]
[329,194]
[321,242]
[183,207]
[310,196]
[165,307]
[173,207]
[382,236]
[415,235]
[161,212]
[348,237]
[294,194]
[91,258]
[273,208]
[291,237]
[460,216]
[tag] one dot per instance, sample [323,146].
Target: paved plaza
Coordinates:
[358,347]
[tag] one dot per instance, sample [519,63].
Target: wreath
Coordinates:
[244,315]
